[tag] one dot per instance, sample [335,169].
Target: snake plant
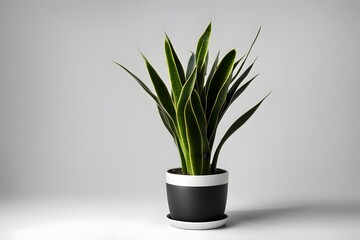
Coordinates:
[198,100]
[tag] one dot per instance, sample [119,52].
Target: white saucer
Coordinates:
[197,225]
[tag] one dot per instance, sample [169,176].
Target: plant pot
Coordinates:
[197,199]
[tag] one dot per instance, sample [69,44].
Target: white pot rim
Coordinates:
[198,180]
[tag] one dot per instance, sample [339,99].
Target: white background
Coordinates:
[75,126]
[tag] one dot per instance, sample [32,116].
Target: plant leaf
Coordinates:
[199,111]
[217,91]
[208,80]
[212,71]
[142,84]
[241,90]
[161,91]
[166,122]
[236,63]
[194,139]
[170,127]
[201,75]
[214,118]
[169,123]
[180,111]
[202,47]
[235,126]
[247,54]
[219,79]
[235,96]
[201,120]
[191,65]
[179,66]
[175,80]
[237,82]
[182,157]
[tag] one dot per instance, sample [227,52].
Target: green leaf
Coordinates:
[202,47]
[180,111]
[201,120]
[235,96]
[179,66]
[217,92]
[191,65]
[211,74]
[247,54]
[213,69]
[194,139]
[219,79]
[239,81]
[167,119]
[172,130]
[186,91]
[199,111]
[241,90]
[167,124]
[161,90]
[214,118]
[235,126]
[201,75]
[175,80]
[236,64]
[142,84]
[182,157]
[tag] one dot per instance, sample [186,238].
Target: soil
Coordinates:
[180,172]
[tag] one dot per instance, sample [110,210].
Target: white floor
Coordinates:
[145,219]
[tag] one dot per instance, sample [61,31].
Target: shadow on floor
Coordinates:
[305,211]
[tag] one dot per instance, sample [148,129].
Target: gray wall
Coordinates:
[75,125]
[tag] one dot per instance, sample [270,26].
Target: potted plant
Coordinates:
[191,113]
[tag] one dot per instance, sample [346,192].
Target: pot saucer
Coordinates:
[197,225]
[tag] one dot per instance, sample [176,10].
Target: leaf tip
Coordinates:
[266,96]
[167,37]
[143,56]
[118,64]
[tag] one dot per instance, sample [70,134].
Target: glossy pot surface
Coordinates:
[197,198]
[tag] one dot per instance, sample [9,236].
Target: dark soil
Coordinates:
[179,171]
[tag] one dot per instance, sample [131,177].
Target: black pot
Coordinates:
[197,198]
